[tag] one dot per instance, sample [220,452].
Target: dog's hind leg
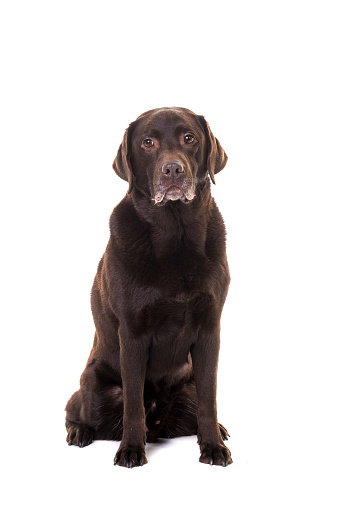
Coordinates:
[78,433]
[95,411]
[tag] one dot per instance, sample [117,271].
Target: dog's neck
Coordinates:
[176,225]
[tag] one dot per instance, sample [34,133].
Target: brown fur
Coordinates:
[157,297]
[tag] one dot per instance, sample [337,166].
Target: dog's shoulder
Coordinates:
[129,233]
[125,222]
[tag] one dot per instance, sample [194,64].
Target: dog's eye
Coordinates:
[189,138]
[148,143]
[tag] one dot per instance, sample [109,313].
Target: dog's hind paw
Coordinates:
[223,431]
[79,434]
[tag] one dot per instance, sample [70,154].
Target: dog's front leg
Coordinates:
[133,358]
[205,353]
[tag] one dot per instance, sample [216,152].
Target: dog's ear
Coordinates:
[216,155]
[122,162]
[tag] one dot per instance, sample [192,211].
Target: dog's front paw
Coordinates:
[215,454]
[130,456]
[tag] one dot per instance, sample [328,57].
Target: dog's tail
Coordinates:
[173,414]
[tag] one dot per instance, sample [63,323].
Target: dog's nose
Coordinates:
[173,169]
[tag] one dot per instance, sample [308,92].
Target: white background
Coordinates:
[265,75]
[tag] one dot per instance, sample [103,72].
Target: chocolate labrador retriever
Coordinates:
[157,297]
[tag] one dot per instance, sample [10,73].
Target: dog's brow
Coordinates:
[150,132]
[184,128]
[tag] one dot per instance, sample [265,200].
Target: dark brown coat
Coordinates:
[157,297]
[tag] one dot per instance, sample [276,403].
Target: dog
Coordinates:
[157,297]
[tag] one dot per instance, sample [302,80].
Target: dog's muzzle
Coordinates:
[173,182]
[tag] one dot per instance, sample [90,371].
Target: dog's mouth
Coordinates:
[173,193]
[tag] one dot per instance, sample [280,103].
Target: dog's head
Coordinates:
[167,152]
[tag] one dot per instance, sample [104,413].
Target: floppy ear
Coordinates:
[216,155]
[122,163]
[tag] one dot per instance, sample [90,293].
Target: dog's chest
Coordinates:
[171,293]
[173,307]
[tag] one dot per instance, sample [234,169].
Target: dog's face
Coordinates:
[167,152]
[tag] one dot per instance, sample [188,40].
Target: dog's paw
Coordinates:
[130,456]
[79,434]
[215,454]
[223,431]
